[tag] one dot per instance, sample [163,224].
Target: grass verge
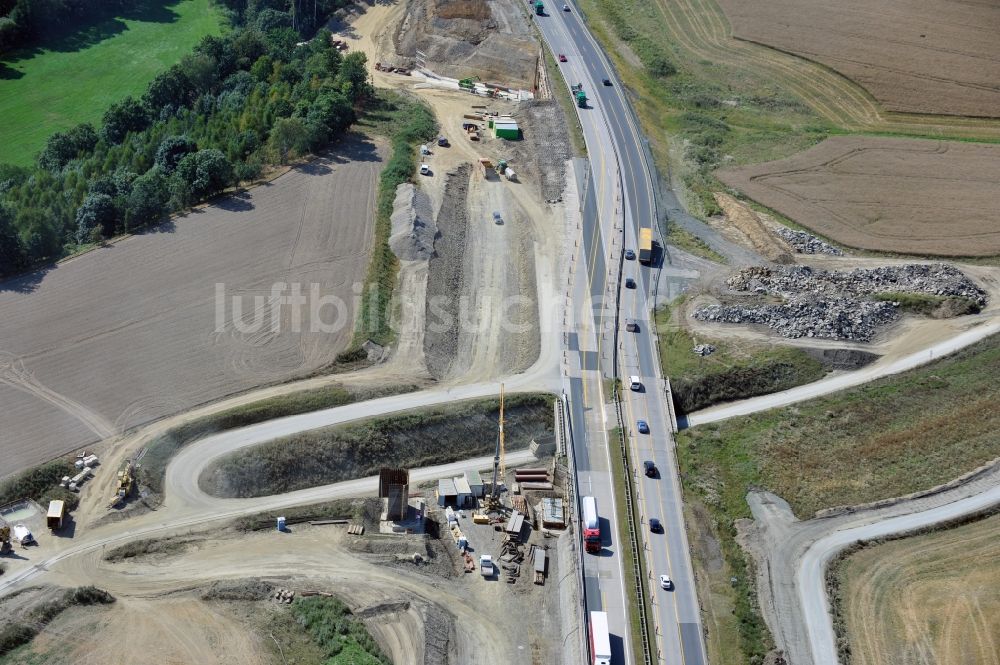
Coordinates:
[735,370]
[161,449]
[407,123]
[438,435]
[560,90]
[888,438]
[19,633]
[692,244]
[74,78]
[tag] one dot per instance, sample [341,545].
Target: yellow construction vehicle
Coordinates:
[126,478]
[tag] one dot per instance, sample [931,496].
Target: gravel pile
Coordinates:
[413,227]
[836,305]
[807,243]
[936,279]
[839,318]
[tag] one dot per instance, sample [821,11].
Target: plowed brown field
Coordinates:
[895,195]
[927,600]
[916,56]
[127,333]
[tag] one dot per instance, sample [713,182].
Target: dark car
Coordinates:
[649,468]
[629,283]
[630,255]
[655,526]
[643,427]
[607,81]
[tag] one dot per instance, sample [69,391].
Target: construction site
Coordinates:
[438,572]
[466,565]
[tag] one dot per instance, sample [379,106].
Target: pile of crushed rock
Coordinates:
[834,304]
[807,243]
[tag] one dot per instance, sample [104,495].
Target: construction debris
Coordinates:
[703,349]
[807,243]
[356,529]
[833,304]
[284,596]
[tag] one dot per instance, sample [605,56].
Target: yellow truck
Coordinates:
[645,245]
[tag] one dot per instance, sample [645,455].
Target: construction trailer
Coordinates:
[538,562]
[475,481]
[463,492]
[57,511]
[505,127]
[446,492]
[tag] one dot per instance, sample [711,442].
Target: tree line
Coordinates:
[257,95]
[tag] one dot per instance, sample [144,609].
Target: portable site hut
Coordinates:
[475,481]
[54,518]
[463,493]
[505,127]
[446,492]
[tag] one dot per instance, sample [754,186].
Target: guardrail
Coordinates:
[647,656]
[574,494]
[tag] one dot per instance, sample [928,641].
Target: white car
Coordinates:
[425,169]
[666,582]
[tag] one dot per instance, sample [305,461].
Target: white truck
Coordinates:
[486,565]
[600,639]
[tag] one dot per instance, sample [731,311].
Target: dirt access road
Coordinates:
[914,56]
[490,293]
[127,333]
[792,556]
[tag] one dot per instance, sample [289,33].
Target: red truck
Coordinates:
[591,525]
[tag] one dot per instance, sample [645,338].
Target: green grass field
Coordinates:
[75,78]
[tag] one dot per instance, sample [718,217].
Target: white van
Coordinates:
[634,383]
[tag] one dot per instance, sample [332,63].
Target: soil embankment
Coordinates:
[334,454]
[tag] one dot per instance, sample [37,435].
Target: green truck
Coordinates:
[580,96]
[539,8]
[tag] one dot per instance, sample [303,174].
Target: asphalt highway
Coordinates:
[619,167]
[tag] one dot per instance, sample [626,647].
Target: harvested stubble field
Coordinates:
[930,599]
[126,334]
[883,194]
[914,56]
